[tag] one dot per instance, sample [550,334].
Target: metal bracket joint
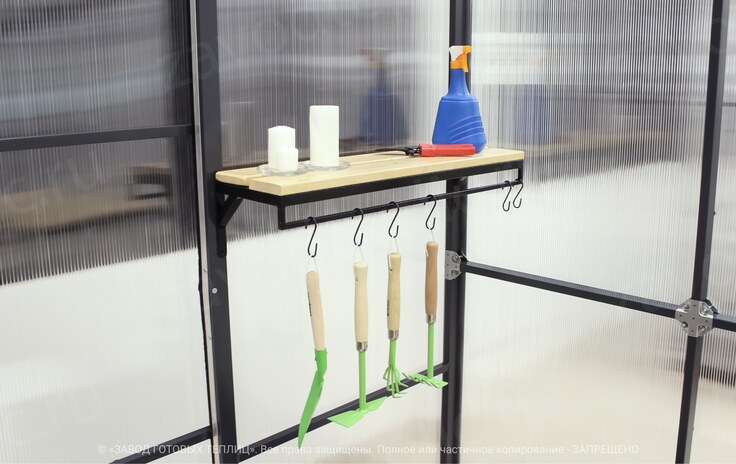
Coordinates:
[452,265]
[696,317]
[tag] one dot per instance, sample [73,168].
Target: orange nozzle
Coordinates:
[459,57]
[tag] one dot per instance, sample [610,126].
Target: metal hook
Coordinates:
[396,205]
[507,206]
[311,239]
[355,237]
[517,196]
[434,220]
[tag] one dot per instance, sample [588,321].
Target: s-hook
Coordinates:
[506,205]
[311,239]
[355,237]
[517,196]
[395,205]
[434,220]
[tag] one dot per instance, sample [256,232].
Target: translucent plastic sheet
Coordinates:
[551,378]
[607,99]
[71,208]
[101,353]
[76,66]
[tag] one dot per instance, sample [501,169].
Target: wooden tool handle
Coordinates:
[430,280]
[315,310]
[361,302]
[394,291]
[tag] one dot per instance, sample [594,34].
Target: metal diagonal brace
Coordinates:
[696,317]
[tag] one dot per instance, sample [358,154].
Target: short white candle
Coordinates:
[324,135]
[287,159]
[279,137]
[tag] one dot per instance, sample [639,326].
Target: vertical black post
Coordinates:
[454,334]
[456,227]
[213,280]
[182,177]
[706,213]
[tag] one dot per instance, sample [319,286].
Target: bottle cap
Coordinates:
[459,57]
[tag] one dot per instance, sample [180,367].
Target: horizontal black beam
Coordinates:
[291,433]
[90,138]
[367,187]
[169,447]
[645,305]
[567,288]
[386,207]
[724,322]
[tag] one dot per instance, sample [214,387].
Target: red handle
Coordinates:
[465,149]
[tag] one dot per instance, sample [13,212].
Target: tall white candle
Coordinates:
[324,135]
[280,137]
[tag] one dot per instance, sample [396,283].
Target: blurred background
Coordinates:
[98,259]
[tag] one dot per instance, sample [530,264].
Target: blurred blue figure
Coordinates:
[382,120]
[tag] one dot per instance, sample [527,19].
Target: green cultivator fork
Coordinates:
[392,375]
[430,309]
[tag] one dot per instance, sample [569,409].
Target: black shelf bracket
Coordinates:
[225,212]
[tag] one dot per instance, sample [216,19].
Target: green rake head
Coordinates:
[392,375]
[426,380]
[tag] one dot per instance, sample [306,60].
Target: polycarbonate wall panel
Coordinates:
[72,208]
[102,353]
[607,101]
[100,363]
[552,378]
[715,429]
[385,64]
[90,65]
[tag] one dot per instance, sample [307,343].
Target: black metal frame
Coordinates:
[213,281]
[706,213]
[90,138]
[220,201]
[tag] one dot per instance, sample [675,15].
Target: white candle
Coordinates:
[280,137]
[287,159]
[324,135]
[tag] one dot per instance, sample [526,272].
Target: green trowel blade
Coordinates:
[350,418]
[314,393]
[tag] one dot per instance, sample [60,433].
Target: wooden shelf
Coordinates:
[369,172]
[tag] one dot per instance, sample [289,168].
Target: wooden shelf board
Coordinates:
[363,169]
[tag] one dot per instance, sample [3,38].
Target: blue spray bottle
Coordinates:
[458,117]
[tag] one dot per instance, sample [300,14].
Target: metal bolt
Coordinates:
[456,259]
[684,324]
[687,306]
[701,328]
[214,290]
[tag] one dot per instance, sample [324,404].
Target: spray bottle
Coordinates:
[458,117]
